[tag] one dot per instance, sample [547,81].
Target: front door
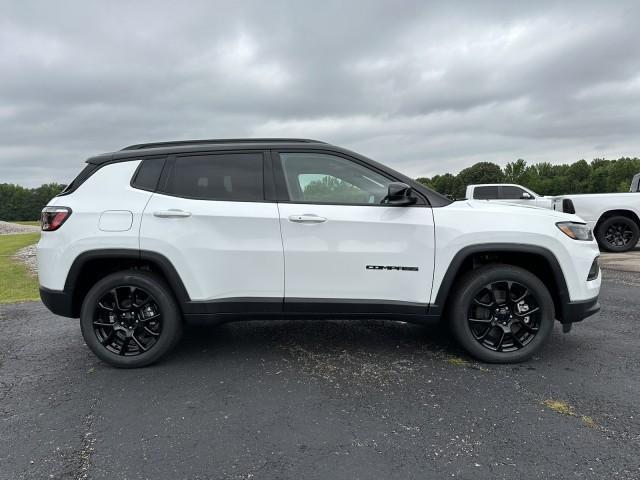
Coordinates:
[342,245]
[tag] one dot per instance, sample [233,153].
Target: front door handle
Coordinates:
[307,218]
[171,213]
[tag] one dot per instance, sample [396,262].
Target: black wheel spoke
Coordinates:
[114,292]
[107,340]
[150,332]
[125,344]
[480,320]
[516,340]
[485,305]
[499,345]
[103,306]
[521,297]
[103,324]
[486,332]
[142,347]
[527,313]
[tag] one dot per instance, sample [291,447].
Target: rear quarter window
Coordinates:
[148,174]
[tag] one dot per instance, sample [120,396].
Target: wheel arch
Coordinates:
[535,259]
[93,265]
[617,212]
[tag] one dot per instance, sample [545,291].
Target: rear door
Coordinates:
[210,219]
[343,249]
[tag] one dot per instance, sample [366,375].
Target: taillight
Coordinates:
[52,218]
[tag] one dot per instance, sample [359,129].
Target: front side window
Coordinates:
[230,177]
[486,193]
[323,178]
[512,193]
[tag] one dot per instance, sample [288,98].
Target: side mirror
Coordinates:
[526,196]
[400,194]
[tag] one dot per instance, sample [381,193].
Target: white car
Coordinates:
[508,192]
[219,230]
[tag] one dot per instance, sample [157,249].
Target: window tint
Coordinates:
[322,178]
[232,177]
[148,174]
[512,193]
[485,193]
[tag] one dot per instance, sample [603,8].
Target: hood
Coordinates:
[516,209]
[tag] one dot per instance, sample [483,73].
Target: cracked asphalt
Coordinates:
[323,400]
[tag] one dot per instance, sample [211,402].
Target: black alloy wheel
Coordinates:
[618,234]
[504,316]
[130,319]
[501,313]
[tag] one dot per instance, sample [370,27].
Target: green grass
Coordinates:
[17,284]
[35,223]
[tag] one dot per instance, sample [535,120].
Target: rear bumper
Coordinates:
[578,311]
[59,302]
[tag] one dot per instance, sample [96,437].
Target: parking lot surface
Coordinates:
[323,400]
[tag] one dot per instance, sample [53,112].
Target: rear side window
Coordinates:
[148,174]
[485,193]
[230,177]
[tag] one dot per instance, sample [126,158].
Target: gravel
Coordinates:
[27,255]
[7,228]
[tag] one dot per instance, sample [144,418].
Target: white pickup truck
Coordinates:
[510,193]
[613,217]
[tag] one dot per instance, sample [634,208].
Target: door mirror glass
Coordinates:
[399,194]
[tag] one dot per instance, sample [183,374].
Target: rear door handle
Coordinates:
[307,218]
[171,213]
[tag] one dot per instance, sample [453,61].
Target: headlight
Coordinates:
[577,231]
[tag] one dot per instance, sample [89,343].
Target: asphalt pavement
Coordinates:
[323,400]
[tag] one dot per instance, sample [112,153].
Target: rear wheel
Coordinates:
[129,319]
[618,234]
[501,313]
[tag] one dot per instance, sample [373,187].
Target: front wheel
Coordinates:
[130,319]
[501,313]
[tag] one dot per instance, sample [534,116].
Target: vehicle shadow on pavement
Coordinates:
[376,337]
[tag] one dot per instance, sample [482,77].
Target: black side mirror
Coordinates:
[399,194]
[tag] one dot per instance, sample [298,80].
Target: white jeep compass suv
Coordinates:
[218,230]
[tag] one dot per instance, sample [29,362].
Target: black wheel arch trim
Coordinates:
[566,313]
[160,261]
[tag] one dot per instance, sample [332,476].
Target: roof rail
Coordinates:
[178,143]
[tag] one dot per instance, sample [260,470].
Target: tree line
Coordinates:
[598,176]
[19,203]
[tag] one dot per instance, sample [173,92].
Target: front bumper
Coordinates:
[578,311]
[59,302]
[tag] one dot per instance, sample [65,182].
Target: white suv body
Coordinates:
[275,228]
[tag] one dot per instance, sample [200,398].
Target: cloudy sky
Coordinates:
[424,87]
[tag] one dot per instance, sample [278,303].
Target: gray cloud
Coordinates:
[424,87]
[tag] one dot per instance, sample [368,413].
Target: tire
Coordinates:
[618,234]
[134,327]
[524,329]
